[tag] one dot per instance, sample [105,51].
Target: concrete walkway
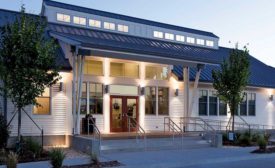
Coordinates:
[195,158]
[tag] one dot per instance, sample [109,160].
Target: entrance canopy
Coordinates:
[116,45]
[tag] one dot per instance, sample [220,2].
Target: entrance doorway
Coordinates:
[123,109]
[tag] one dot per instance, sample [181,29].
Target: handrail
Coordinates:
[132,123]
[173,127]
[97,132]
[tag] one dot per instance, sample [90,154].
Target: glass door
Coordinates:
[116,114]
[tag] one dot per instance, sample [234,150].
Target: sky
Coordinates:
[248,22]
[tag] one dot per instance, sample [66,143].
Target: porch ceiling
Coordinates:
[115,45]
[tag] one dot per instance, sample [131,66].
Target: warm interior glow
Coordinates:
[106,113]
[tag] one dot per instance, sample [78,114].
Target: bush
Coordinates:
[33,146]
[262,143]
[244,140]
[11,160]
[255,137]
[57,156]
[4,132]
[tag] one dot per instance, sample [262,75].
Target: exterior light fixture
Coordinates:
[271,98]
[176,92]
[61,86]
[142,91]
[106,89]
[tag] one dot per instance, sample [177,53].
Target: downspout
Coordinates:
[198,73]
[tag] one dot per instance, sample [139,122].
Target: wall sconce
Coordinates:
[142,91]
[271,98]
[106,89]
[176,92]
[61,86]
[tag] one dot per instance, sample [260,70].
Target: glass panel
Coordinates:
[203,102]
[156,72]
[252,104]
[163,101]
[243,106]
[92,67]
[132,108]
[213,103]
[96,98]
[116,69]
[150,100]
[44,109]
[131,70]
[222,108]
[116,113]
[83,105]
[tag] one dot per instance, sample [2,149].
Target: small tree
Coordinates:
[232,79]
[27,61]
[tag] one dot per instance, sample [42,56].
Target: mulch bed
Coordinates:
[261,151]
[101,164]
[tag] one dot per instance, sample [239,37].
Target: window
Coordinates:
[95,98]
[180,38]
[169,36]
[63,18]
[44,102]
[252,104]
[213,100]
[130,70]
[163,101]
[203,102]
[150,100]
[83,103]
[123,28]
[156,72]
[222,108]
[79,20]
[110,26]
[94,23]
[93,67]
[158,34]
[200,41]
[209,43]
[190,40]
[243,106]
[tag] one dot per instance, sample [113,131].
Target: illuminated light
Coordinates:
[142,111]
[176,92]
[270,97]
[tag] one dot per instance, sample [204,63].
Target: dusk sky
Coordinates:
[243,21]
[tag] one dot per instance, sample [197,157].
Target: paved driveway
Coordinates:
[195,158]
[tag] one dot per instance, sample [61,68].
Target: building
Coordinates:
[134,67]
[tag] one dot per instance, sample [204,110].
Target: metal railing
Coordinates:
[172,127]
[140,132]
[96,133]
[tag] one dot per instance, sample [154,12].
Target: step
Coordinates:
[152,144]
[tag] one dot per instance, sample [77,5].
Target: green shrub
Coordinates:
[244,140]
[4,132]
[224,137]
[255,137]
[57,156]
[262,143]
[33,146]
[11,160]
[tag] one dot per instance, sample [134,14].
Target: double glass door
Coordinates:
[123,109]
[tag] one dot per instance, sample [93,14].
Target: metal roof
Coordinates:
[7,17]
[127,18]
[260,73]
[139,45]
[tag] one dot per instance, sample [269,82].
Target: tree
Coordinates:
[27,61]
[232,79]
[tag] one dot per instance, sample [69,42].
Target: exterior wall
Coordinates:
[265,109]
[135,29]
[59,120]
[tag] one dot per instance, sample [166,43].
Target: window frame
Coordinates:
[63,14]
[200,41]
[95,21]
[50,104]
[180,38]
[209,43]
[169,36]
[98,60]
[107,26]
[190,40]
[79,23]
[123,28]
[207,103]
[157,66]
[88,97]
[121,62]
[156,100]
[158,34]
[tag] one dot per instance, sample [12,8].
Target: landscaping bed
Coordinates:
[263,151]
[100,164]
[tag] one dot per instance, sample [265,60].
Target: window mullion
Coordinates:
[157,100]
[88,97]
